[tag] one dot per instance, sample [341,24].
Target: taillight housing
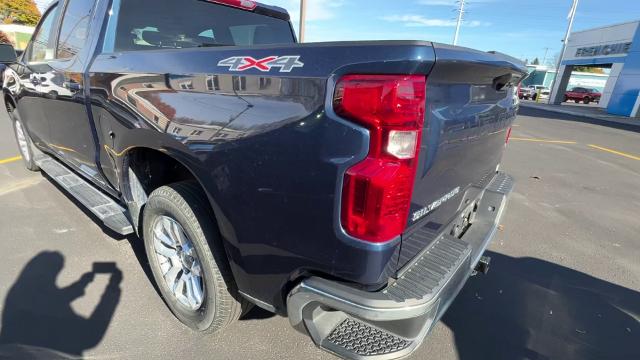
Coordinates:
[240,4]
[376,194]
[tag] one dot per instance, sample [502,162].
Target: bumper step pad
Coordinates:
[431,271]
[359,338]
[103,207]
[420,282]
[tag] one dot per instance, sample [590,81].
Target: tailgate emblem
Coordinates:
[242,63]
[434,205]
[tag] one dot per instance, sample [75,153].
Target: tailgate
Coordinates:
[471,104]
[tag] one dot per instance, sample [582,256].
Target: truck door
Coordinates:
[72,134]
[28,71]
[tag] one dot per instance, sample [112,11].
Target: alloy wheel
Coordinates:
[179,262]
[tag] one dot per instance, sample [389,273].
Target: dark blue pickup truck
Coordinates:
[351,186]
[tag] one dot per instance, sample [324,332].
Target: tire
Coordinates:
[577,101]
[534,97]
[566,99]
[586,101]
[185,204]
[25,145]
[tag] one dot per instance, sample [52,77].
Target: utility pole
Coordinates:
[460,17]
[544,59]
[303,16]
[571,17]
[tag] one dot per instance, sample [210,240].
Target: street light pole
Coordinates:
[303,16]
[460,13]
[571,17]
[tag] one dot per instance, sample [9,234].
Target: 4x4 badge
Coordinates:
[242,63]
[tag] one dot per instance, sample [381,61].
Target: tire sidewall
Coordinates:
[162,205]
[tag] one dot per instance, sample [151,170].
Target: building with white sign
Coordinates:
[616,47]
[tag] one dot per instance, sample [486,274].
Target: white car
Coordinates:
[531,92]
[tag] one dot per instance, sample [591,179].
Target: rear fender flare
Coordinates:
[135,202]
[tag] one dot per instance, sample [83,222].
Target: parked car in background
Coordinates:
[531,92]
[540,90]
[582,94]
[525,92]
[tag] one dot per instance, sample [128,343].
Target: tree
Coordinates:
[588,69]
[536,61]
[24,12]
[4,38]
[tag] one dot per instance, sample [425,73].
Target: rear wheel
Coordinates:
[586,100]
[24,141]
[187,258]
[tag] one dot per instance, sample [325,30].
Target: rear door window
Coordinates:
[153,24]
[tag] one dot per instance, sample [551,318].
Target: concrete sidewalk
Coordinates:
[590,112]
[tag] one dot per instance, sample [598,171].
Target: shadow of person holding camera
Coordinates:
[37,318]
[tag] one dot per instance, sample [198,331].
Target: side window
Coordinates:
[42,46]
[74,29]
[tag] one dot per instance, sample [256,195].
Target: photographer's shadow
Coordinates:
[37,318]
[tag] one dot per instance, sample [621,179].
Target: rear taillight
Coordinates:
[241,4]
[376,194]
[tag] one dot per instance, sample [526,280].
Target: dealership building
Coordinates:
[616,47]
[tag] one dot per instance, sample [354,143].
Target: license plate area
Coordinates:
[462,223]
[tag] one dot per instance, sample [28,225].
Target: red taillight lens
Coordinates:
[241,4]
[377,191]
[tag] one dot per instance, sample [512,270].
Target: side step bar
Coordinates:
[106,209]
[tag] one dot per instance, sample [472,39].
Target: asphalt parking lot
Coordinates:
[564,281]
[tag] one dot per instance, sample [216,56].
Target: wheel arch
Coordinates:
[145,168]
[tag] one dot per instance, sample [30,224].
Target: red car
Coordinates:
[585,95]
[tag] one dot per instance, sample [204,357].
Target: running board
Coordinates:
[106,209]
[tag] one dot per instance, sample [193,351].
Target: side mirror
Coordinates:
[7,54]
